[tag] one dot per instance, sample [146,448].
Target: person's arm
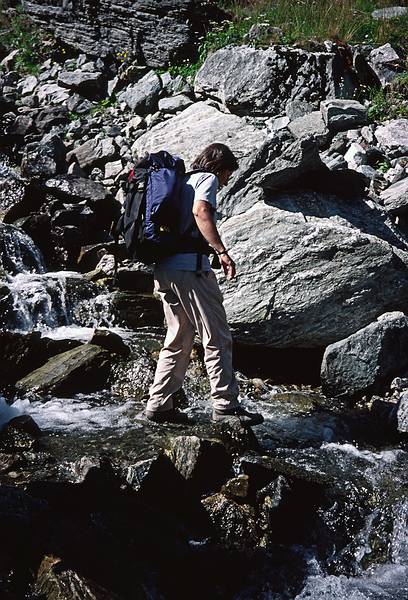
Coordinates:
[203,214]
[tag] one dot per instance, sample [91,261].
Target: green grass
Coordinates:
[392,102]
[17,31]
[301,22]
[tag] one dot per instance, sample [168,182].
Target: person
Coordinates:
[192,301]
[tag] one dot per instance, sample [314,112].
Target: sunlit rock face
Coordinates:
[155,33]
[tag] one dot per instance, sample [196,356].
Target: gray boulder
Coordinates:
[49,117]
[154,33]
[174,103]
[197,126]
[142,97]
[51,93]
[83,368]
[341,115]
[91,85]
[278,164]
[395,197]
[311,124]
[27,85]
[93,153]
[45,159]
[392,137]
[74,189]
[367,361]
[256,81]
[305,261]
[385,63]
[298,108]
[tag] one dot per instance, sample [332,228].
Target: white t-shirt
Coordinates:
[197,186]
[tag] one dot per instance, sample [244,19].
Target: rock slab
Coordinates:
[365,362]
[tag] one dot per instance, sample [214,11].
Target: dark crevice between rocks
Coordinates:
[279,365]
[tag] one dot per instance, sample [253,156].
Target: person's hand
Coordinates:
[228,265]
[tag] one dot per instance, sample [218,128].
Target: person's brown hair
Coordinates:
[215,158]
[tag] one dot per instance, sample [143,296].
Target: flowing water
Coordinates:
[369,507]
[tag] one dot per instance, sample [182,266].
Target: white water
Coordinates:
[40,300]
[78,414]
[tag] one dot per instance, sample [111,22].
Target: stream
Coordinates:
[359,550]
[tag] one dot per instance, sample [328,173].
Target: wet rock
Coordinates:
[59,581]
[402,413]
[204,463]
[142,97]
[256,81]
[237,488]
[91,85]
[341,115]
[20,434]
[392,137]
[19,353]
[91,255]
[269,499]
[385,63]
[110,341]
[301,270]
[195,128]
[84,368]
[395,197]
[135,279]
[234,524]
[45,159]
[136,310]
[367,361]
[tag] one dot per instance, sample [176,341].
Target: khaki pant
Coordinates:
[192,304]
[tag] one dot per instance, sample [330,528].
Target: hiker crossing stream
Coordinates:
[334,526]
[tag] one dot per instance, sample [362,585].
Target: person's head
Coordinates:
[217,159]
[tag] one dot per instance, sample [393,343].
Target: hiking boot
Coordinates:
[169,416]
[250,419]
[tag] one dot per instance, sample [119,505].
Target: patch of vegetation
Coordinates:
[303,20]
[18,32]
[103,105]
[300,22]
[391,102]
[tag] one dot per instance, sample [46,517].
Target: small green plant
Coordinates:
[391,102]
[19,32]
[73,116]
[103,105]
[383,166]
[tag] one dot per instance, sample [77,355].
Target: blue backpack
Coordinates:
[151,222]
